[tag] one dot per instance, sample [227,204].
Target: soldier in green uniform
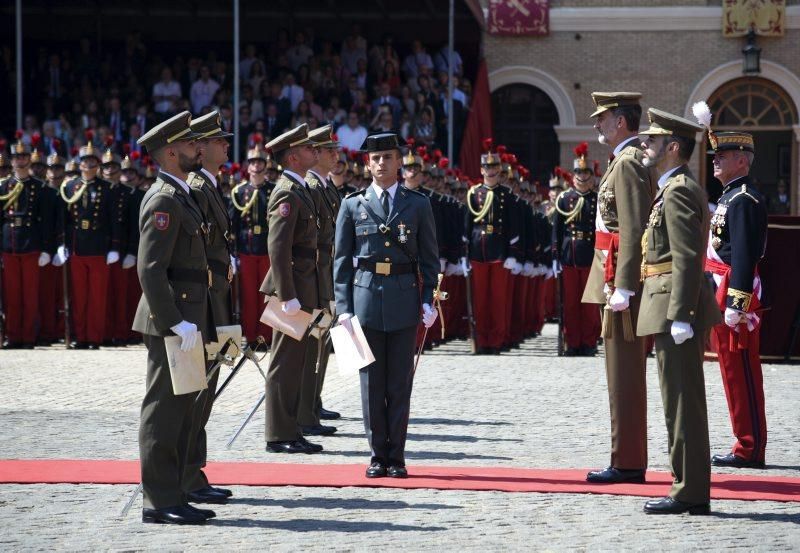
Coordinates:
[214,145]
[678,307]
[173,270]
[294,278]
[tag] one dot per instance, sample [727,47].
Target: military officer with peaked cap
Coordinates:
[678,307]
[623,203]
[293,277]
[389,234]
[173,270]
[214,146]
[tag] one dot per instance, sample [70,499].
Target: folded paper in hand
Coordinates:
[295,325]
[233,332]
[352,350]
[186,368]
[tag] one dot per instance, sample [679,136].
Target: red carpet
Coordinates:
[724,486]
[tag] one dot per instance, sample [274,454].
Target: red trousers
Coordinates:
[541,299]
[744,389]
[252,271]
[490,298]
[516,328]
[117,327]
[21,296]
[89,294]
[550,307]
[51,298]
[133,293]
[581,320]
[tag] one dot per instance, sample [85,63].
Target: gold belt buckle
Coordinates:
[489,229]
[257,229]
[85,224]
[383,268]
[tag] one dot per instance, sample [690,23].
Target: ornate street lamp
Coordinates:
[752,55]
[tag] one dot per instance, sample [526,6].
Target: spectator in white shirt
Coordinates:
[203,90]
[353,134]
[442,61]
[291,91]
[166,93]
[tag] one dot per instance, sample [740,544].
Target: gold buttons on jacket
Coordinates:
[183,296]
[387,243]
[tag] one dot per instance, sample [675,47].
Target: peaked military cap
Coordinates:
[381,142]
[175,129]
[298,136]
[663,123]
[731,140]
[604,101]
[55,160]
[324,137]
[209,126]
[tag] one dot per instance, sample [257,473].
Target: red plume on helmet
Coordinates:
[126,149]
[488,144]
[3,144]
[36,139]
[109,140]
[55,145]
[89,135]
[345,151]
[501,149]
[257,139]
[444,163]
[437,154]
[223,169]
[410,142]
[581,150]
[558,171]
[74,151]
[135,155]
[235,167]
[19,134]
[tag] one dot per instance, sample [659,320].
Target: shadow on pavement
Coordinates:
[457,422]
[793,518]
[446,455]
[313,525]
[435,438]
[338,503]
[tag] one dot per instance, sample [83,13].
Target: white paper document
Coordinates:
[352,350]
[233,332]
[187,368]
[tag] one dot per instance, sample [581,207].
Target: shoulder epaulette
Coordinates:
[417,192]
[356,193]
[743,192]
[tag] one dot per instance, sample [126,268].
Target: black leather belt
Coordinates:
[197,276]
[491,229]
[380,268]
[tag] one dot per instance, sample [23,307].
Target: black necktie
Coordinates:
[385,200]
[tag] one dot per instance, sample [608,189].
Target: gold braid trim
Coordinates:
[249,205]
[75,197]
[487,204]
[643,271]
[12,195]
[570,215]
[740,299]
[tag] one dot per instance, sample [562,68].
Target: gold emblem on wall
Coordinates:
[766,17]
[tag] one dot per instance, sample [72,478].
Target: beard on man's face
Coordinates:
[189,163]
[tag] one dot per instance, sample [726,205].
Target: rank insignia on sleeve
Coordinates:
[284,209]
[161,220]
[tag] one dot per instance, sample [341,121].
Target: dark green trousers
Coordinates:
[284,380]
[308,413]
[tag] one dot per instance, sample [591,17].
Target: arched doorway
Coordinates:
[524,120]
[761,107]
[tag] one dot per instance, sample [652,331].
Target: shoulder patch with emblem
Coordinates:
[284,209]
[161,220]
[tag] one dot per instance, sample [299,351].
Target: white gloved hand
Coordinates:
[620,299]
[112,257]
[681,332]
[442,264]
[345,320]
[234,265]
[188,333]
[428,315]
[733,317]
[452,269]
[549,274]
[516,269]
[44,259]
[464,239]
[509,263]
[355,262]
[556,267]
[464,266]
[528,269]
[129,261]
[291,307]
[61,256]
[606,289]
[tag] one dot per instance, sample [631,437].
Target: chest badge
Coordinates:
[402,235]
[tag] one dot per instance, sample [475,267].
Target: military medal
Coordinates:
[363,215]
[716,242]
[402,236]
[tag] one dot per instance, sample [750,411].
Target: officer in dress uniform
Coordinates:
[294,278]
[250,228]
[573,248]
[173,270]
[51,283]
[737,243]
[26,229]
[678,307]
[492,230]
[131,179]
[388,232]
[625,194]
[327,201]
[214,146]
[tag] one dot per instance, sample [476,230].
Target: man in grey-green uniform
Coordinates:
[213,142]
[173,271]
[678,307]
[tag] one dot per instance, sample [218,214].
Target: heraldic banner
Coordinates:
[765,17]
[519,17]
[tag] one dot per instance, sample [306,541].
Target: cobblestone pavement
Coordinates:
[525,408]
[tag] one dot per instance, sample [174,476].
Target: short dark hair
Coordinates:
[685,146]
[632,115]
[280,156]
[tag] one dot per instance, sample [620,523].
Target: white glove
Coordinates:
[509,263]
[428,315]
[549,274]
[44,259]
[345,320]
[541,270]
[234,265]
[620,299]
[606,289]
[464,239]
[556,266]
[290,307]
[517,268]
[129,261]
[112,257]
[733,317]
[442,264]
[452,269]
[61,256]
[681,332]
[188,333]
[528,269]
[464,266]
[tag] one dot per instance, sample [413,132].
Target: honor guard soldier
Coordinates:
[131,179]
[737,243]
[624,197]
[26,224]
[92,241]
[250,228]
[388,233]
[573,249]
[678,307]
[213,143]
[492,232]
[328,202]
[51,282]
[38,161]
[293,278]
[175,278]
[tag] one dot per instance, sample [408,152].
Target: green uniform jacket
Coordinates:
[677,233]
[292,244]
[623,199]
[171,262]
[328,201]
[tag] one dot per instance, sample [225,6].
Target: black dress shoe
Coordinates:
[292,446]
[93,346]
[588,351]
[327,415]
[173,515]
[731,460]
[223,491]
[572,352]
[318,430]
[208,513]
[397,472]
[314,448]
[376,470]
[613,475]
[207,495]
[669,506]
